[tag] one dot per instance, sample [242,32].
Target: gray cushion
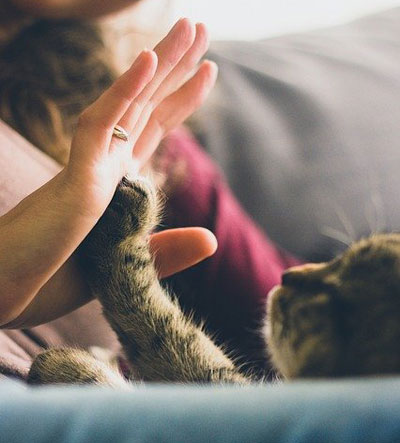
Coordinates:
[307,130]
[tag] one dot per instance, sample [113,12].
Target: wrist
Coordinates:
[88,191]
[92,185]
[81,195]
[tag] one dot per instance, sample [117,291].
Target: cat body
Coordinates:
[334,319]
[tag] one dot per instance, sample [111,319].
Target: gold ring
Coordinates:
[121,133]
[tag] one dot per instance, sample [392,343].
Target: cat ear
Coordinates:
[313,274]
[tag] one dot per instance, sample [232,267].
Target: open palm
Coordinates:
[149,100]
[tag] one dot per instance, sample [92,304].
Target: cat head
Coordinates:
[339,318]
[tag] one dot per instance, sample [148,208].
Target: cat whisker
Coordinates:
[378,211]
[334,234]
[346,223]
[376,218]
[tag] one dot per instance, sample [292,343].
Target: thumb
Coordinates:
[178,249]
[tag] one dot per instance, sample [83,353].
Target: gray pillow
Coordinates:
[307,130]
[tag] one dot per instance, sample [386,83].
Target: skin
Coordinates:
[41,281]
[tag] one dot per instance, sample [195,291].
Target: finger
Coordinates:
[176,109]
[186,65]
[97,122]
[178,249]
[108,110]
[169,52]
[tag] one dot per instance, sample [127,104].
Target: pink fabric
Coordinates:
[23,168]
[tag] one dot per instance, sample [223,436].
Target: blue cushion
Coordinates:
[362,410]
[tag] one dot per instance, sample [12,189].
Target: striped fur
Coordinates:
[160,342]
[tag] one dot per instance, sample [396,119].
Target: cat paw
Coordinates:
[131,215]
[135,206]
[72,366]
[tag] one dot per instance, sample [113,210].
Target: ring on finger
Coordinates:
[121,133]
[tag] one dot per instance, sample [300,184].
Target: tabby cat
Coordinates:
[334,319]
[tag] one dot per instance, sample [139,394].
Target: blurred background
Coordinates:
[252,19]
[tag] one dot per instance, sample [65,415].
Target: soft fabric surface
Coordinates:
[306,128]
[342,411]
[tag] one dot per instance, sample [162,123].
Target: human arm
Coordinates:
[65,209]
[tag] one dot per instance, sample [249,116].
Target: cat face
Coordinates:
[339,318]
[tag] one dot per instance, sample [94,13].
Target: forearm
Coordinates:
[63,293]
[36,238]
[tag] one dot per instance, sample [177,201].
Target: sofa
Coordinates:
[306,130]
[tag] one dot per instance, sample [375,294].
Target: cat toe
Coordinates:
[136,204]
[72,366]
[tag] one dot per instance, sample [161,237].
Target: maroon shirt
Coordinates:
[228,290]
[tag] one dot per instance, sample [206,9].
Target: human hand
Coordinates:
[150,99]
[39,281]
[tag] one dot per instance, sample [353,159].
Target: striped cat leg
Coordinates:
[73,366]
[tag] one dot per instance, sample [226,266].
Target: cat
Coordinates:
[339,318]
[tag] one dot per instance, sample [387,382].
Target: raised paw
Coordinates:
[72,366]
[131,215]
[135,205]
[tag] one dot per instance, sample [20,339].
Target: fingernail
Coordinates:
[211,63]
